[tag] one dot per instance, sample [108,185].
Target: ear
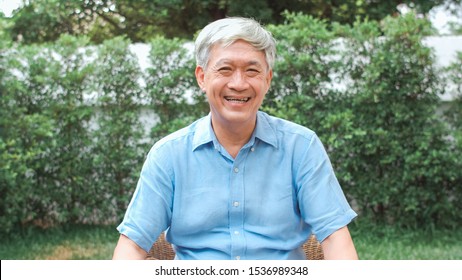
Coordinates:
[200,77]
[269,77]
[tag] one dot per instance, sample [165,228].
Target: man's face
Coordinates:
[236,81]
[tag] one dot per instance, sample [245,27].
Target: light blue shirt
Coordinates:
[263,204]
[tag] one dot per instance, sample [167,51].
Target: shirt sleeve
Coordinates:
[150,209]
[322,202]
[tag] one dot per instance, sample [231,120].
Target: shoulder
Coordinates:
[288,129]
[179,139]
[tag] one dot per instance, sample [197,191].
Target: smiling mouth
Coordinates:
[237,100]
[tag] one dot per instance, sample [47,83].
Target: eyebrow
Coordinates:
[249,63]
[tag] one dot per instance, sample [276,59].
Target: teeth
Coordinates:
[243,100]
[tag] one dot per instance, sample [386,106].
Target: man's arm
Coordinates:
[126,249]
[339,246]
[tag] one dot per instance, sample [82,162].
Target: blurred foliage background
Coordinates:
[78,113]
[41,21]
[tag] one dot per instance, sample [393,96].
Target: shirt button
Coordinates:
[238,257]
[236,170]
[252,149]
[236,232]
[236,203]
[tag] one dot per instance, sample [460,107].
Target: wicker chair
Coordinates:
[162,250]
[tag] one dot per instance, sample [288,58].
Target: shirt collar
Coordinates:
[204,132]
[264,131]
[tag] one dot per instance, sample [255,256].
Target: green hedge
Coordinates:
[72,141]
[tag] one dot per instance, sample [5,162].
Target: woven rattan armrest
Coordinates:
[162,249]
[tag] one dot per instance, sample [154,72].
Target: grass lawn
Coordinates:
[97,243]
[74,243]
[390,243]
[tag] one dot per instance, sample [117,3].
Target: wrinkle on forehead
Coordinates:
[235,58]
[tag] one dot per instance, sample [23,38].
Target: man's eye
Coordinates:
[225,71]
[252,71]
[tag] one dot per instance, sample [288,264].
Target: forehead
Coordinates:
[237,52]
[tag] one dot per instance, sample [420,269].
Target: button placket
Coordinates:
[236,209]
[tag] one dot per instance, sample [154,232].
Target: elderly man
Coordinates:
[238,183]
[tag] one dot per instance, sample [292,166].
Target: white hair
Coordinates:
[227,31]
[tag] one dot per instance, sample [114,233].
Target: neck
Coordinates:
[233,136]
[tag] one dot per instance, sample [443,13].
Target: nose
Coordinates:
[238,81]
